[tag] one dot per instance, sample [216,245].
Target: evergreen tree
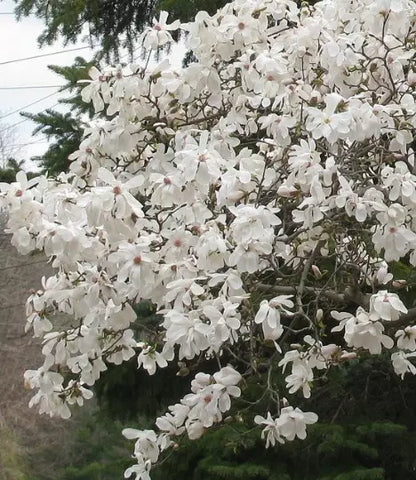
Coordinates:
[370,437]
[8,173]
[111,23]
[64,130]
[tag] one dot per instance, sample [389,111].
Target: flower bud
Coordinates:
[348,356]
[399,283]
[316,272]
[319,315]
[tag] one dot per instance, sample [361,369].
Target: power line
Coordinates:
[44,140]
[14,125]
[46,55]
[27,119]
[26,87]
[29,105]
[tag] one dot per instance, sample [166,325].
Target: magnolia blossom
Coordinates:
[150,358]
[158,35]
[386,306]
[406,339]
[291,423]
[327,123]
[268,316]
[249,200]
[362,332]
[402,365]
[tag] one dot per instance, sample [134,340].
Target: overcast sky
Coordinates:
[19,40]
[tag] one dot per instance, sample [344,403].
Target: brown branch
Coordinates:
[287,290]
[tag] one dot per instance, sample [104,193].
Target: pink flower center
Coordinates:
[178,242]
[167,181]
[158,27]
[19,193]
[116,190]
[393,230]
[137,260]
[241,26]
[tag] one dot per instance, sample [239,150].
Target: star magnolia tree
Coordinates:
[258,198]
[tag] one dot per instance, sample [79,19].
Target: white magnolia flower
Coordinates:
[118,196]
[402,365]
[271,430]
[386,306]
[362,332]
[150,358]
[300,378]
[327,123]
[290,424]
[146,443]
[406,339]
[158,35]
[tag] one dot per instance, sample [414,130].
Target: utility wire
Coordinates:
[27,119]
[44,140]
[29,105]
[26,87]
[46,55]
[14,125]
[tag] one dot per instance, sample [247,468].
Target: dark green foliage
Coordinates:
[64,130]
[360,474]
[367,431]
[186,10]
[124,390]
[331,452]
[99,452]
[107,20]
[8,174]
[367,428]
[71,75]
[404,270]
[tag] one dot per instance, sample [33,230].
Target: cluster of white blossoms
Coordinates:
[256,198]
[199,410]
[290,424]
